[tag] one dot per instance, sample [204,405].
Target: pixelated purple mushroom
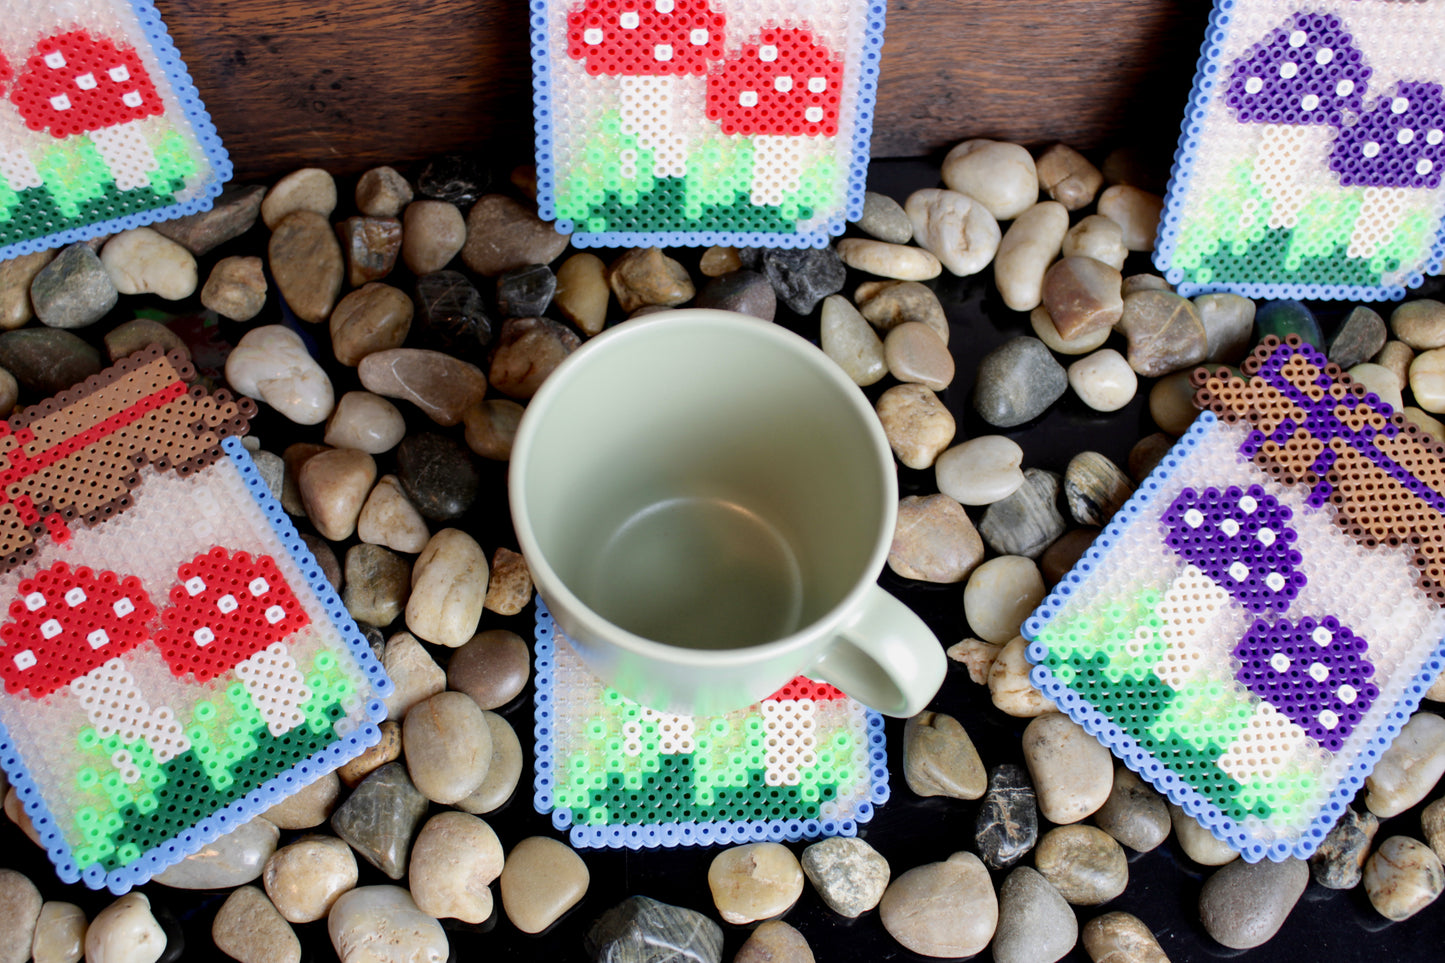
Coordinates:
[1305,74]
[1396,147]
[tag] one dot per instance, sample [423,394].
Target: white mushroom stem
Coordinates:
[127,153]
[791,740]
[1381,212]
[1277,169]
[777,167]
[276,686]
[19,170]
[115,705]
[648,114]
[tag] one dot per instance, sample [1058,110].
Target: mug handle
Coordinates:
[884,656]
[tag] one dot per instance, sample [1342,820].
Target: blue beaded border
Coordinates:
[1150,769]
[202,127]
[263,797]
[1206,81]
[870,58]
[668,835]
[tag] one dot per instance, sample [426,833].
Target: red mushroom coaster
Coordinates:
[651,46]
[68,629]
[783,91]
[234,612]
[15,164]
[75,83]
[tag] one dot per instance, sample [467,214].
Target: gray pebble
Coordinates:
[525,292]
[1017,382]
[46,360]
[380,818]
[1228,321]
[74,290]
[1244,904]
[232,215]
[745,292]
[226,861]
[849,875]
[1007,826]
[1028,521]
[1035,924]
[643,930]
[1360,337]
[378,582]
[1135,813]
[804,276]
[883,218]
[438,475]
[1340,860]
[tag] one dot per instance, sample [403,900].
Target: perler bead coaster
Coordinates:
[697,122]
[1312,153]
[173,660]
[100,127]
[805,762]
[1258,621]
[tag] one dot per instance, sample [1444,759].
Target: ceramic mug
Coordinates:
[705,501]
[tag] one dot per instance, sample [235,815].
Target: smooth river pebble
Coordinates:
[1072,772]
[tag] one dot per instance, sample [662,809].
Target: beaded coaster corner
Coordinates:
[697,122]
[1312,153]
[174,661]
[1261,618]
[101,129]
[804,763]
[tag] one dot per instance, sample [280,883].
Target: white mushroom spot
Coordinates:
[1253,85]
[783,84]
[132,99]
[767,53]
[1288,69]
[1404,135]
[1399,105]
[1297,39]
[813,115]
[1324,55]
[1274,580]
[1344,88]
[1247,504]
[60,102]
[123,606]
[86,81]
[1319,671]
[50,628]
[259,586]
[1279,662]
[1435,136]
[1328,719]
[664,6]
[817,85]
[97,638]
[662,52]
[1371,149]
[195,585]
[55,60]
[227,604]
[75,596]
[1322,636]
[1309,102]
[698,37]
[1265,536]
[1347,694]
[1229,527]
[119,74]
[1424,167]
[1193,518]
[25,660]
[629,20]
[275,614]
[203,636]
[748,98]
[34,601]
[1239,571]
[592,36]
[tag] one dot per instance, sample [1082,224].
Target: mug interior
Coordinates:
[704,480]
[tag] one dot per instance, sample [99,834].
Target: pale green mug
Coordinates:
[705,501]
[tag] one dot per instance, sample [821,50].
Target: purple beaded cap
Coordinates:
[1242,540]
[1307,71]
[1315,673]
[1398,142]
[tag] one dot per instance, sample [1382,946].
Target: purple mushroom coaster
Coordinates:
[1310,158]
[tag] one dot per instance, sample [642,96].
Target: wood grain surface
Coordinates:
[347,85]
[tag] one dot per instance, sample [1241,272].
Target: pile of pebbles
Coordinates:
[393,329]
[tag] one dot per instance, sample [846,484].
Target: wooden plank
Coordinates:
[347,85]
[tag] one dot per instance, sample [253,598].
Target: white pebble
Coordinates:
[1031,244]
[125,932]
[1103,380]
[980,471]
[271,364]
[1000,594]
[999,175]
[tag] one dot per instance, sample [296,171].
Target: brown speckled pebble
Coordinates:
[492,668]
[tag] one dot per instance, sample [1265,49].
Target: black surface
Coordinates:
[1164,885]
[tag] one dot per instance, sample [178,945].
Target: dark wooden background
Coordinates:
[347,84]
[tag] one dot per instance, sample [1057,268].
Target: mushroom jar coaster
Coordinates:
[697,122]
[1260,619]
[805,762]
[101,129]
[173,660]
[1312,153]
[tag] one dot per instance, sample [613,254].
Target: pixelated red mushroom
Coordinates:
[74,83]
[15,164]
[67,629]
[233,612]
[780,90]
[649,45]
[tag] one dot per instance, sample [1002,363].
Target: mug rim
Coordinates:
[556,593]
